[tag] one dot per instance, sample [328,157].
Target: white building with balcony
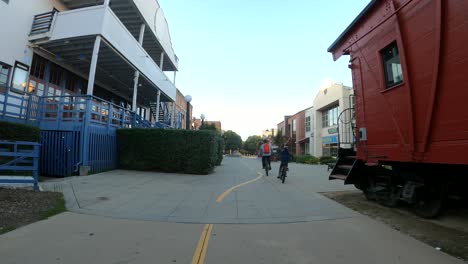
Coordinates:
[85,68]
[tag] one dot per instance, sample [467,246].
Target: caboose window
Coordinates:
[392,65]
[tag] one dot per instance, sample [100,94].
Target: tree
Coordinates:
[207,126]
[252,144]
[232,140]
[279,140]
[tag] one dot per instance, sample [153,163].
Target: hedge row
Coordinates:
[308,159]
[182,151]
[18,132]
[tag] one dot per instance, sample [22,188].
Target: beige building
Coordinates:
[269,133]
[328,105]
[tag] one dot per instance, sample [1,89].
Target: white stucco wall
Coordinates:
[336,94]
[18,17]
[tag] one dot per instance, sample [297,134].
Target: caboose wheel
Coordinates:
[429,200]
[389,197]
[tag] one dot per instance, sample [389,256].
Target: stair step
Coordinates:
[338,176]
[343,166]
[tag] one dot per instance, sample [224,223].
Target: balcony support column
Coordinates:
[161,63]
[106,2]
[137,73]
[135,91]
[158,102]
[92,69]
[172,114]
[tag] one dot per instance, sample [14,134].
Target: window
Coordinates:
[307,124]
[38,66]
[392,65]
[330,117]
[4,74]
[20,76]
[56,74]
[330,150]
[294,127]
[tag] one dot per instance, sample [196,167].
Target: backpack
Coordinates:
[266,148]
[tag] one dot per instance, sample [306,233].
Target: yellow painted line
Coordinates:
[202,246]
[228,191]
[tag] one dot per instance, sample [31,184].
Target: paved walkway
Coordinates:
[192,198]
[140,217]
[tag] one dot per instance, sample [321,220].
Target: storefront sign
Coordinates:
[332,130]
[330,140]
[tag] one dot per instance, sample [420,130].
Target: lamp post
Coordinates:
[202,119]
[188,99]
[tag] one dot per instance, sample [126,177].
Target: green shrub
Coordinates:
[220,151]
[307,159]
[327,160]
[311,160]
[184,151]
[18,132]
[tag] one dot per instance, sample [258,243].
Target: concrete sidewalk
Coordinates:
[192,198]
[128,217]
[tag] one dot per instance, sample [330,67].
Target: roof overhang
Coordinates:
[336,44]
[303,140]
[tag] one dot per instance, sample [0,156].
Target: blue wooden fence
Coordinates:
[76,131]
[19,156]
[61,152]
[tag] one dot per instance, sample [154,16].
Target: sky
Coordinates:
[248,63]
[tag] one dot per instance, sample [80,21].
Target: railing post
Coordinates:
[109,116]
[122,118]
[60,112]
[6,102]
[40,101]
[36,167]
[85,132]
[28,109]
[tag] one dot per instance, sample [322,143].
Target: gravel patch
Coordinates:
[19,207]
[447,233]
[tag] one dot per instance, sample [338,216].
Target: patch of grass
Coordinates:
[6,229]
[58,208]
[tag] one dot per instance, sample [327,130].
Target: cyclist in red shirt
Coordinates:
[265,153]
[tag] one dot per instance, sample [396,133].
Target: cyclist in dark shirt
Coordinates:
[285,158]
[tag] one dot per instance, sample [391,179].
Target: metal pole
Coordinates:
[187,118]
[92,69]
[158,100]
[106,2]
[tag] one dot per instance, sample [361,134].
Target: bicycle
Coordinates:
[267,164]
[283,173]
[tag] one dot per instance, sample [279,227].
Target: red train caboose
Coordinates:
[409,61]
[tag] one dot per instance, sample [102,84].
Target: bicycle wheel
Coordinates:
[266,170]
[283,175]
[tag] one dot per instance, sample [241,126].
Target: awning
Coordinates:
[304,140]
